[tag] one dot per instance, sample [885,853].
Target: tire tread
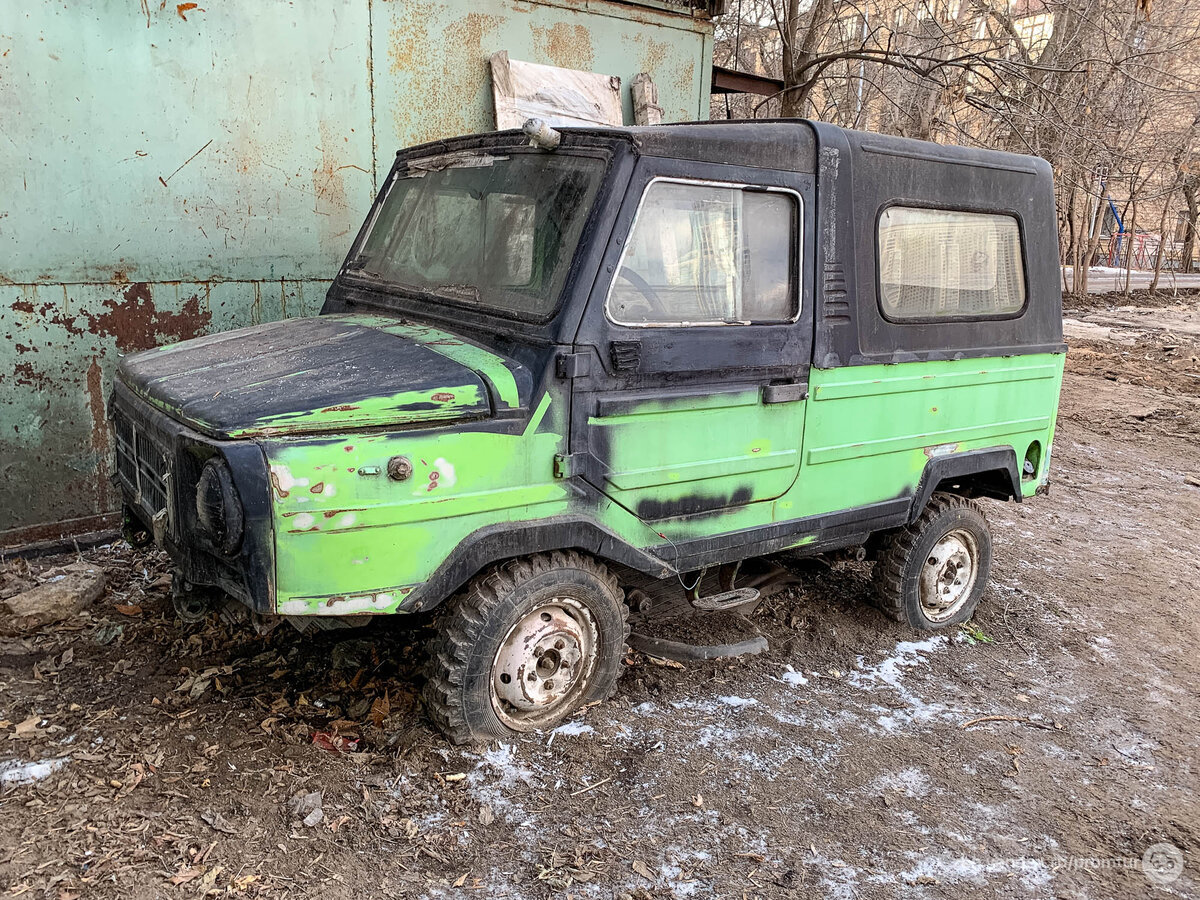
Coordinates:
[465,620]
[897,548]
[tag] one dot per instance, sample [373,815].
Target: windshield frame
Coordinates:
[367,287]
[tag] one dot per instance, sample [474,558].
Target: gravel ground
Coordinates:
[1040,751]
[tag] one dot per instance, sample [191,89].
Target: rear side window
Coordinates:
[702,254]
[942,264]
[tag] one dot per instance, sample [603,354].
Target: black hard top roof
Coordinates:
[792,143]
[788,144]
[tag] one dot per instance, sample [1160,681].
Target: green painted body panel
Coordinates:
[348,543]
[872,429]
[719,448]
[389,410]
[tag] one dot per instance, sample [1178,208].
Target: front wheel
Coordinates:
[528,643]
[932,573]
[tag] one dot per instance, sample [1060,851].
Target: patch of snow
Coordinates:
[645,709]
[738,702]
[15,771]
[911,781]
[889,672]
[919,712]
[570,729]
[794,678]
[839,878]
[494,778]
[1031,873]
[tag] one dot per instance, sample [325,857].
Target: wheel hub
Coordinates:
[949,574]
[544,658]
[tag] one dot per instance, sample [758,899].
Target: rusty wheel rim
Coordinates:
[544,664]
[948,575]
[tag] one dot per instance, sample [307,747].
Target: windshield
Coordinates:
[493,231]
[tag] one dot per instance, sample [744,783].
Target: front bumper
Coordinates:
[158,466]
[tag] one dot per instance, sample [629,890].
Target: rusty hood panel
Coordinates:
[330,373]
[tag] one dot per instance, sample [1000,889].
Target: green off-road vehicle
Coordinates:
[562,373]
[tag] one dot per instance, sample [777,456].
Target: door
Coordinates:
[698,343]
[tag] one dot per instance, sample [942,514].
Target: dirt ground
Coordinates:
[1038,752]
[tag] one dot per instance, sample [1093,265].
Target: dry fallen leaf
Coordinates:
[185,875]
[209,880]
[380,710]
[28,728]
[128,610]
[217,822]
[642,869]
[665,663]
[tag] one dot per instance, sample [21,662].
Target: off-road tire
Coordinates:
[473,625]
[903,553]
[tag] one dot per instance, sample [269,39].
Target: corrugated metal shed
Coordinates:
[168,170]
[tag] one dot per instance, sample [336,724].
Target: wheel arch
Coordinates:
[510,540]
[991,472]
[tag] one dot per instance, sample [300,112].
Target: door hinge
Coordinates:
[573,365]
[784,393]
[564,464]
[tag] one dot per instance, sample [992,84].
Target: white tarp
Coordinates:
[525,90]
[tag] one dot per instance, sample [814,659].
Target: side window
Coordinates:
[941,264]
[708,254]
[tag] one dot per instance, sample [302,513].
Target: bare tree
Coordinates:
[1090,85]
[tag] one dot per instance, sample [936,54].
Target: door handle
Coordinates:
[784,393]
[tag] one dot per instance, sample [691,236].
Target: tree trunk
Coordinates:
[1132,208]
[800,48]
[1162,240]
[1191,194]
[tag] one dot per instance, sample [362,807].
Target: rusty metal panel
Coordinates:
[142,146]
[431,58]
[166,172]
[59,344]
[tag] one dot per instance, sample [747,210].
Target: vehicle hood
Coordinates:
[329,373]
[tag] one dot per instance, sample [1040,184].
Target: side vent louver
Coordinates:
[835,305]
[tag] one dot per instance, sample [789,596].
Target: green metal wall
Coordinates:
[167,172]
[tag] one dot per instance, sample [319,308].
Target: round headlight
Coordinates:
[218,507]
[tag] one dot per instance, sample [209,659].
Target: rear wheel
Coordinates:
[931,574]
[528,643]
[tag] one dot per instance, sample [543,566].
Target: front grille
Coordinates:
[141,464]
